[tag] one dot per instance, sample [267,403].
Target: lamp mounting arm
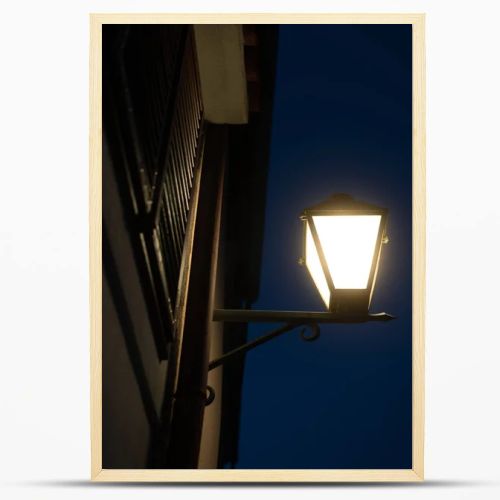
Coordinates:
[293,319]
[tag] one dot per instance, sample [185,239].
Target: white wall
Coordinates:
[44,323]
[126,427]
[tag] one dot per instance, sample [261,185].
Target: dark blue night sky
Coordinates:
[341,123]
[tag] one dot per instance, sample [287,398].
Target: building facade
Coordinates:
[186,133]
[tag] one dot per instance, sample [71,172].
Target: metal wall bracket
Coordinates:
[294,319]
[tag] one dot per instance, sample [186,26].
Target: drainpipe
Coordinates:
[190,394]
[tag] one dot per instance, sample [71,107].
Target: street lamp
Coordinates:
[342,243]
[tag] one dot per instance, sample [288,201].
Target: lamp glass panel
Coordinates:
[348,243]
[314,265]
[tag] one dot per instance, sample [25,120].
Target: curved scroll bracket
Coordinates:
[314,332]
[210,395]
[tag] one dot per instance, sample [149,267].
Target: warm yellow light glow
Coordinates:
[348,243]
[314,265]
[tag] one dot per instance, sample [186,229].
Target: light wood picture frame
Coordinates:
[416,473]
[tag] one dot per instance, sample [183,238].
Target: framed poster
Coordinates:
[257,244]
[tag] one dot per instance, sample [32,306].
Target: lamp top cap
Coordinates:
[343,201]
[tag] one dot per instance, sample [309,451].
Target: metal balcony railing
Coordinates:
[153,106]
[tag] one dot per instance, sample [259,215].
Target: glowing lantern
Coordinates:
[342,244]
